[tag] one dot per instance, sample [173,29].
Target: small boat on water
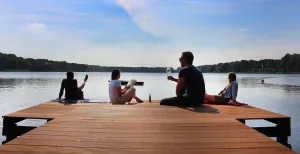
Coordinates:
[123,82]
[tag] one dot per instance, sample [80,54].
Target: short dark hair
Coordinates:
[115,73]
[188,56]
[232,76]
[70,75]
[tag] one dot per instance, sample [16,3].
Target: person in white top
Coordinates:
[229,93]
[117,94]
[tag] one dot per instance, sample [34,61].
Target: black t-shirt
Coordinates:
[194,84]
[70,88]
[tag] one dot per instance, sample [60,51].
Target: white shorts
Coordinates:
[126,97]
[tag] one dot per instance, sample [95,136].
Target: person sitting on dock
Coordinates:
[227,95]
[190,88]
[70,86]
[117,94]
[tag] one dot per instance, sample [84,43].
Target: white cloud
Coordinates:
[242,30]
[155,17]
[35,27]
[133,4]
[143,13]
[169,19]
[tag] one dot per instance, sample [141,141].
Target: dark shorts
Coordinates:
[76,96]
[180,101]
[221,100]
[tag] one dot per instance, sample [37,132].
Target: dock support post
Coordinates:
[242,121]
[283,130]
[10,129]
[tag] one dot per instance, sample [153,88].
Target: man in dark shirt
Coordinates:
[190,88]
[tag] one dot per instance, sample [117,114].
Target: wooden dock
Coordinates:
[144,128]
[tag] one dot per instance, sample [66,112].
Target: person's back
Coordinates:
[113,86]
[190,89]
[194,84]
[71,89]
[73,92]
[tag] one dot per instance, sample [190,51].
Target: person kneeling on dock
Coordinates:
[190,88]
[70,86]
[228,95]
[117,94]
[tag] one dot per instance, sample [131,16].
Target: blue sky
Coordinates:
[149,32]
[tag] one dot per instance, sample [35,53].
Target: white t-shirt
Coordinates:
[113,93]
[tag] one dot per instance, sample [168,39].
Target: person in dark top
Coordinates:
[70,86]
[190,88]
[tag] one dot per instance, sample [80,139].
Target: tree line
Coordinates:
[287,64]
[10,62]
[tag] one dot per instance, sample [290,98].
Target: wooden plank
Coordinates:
[43,111]
[143,128]
[146,144]
[17,149]
[144,137]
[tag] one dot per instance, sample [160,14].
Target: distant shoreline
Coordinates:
[256,72]
[74,71]
[289,64]
[18,71]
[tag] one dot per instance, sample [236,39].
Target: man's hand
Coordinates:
[171,78]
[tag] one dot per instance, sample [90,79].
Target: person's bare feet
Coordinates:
[138,100]
[237,103]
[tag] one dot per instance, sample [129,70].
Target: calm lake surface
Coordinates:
[280,93]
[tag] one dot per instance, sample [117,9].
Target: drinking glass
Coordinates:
[168,71]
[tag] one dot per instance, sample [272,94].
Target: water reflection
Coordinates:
[292,81]
[9,83]
[249,82]
[288,84]
[12,83]
[286,88]
[254,82]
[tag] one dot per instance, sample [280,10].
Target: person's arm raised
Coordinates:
[180,86]
[171,78]
[84,82]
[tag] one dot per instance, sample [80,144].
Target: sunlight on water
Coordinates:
[287,81]
[280,93]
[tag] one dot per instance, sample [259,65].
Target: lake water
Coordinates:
[280,93]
